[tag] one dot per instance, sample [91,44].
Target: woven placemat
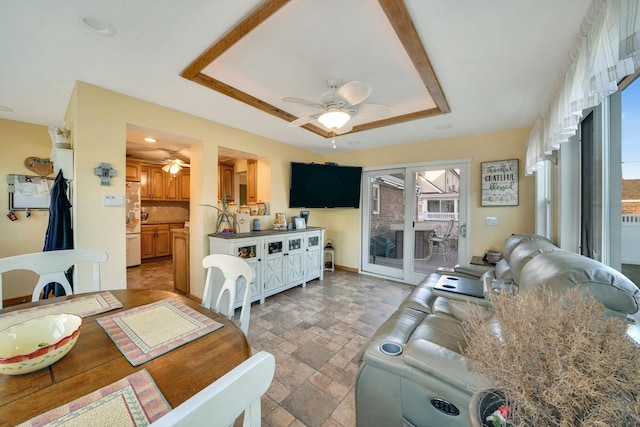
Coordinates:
[83,306]
[132,401]
[148,331]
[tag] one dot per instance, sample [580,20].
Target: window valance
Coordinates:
[606,49]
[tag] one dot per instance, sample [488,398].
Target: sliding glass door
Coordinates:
[414,219]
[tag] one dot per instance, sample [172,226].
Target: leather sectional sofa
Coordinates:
[413,373]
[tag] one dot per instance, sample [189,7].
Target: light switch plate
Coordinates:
[113,200]
[492,221]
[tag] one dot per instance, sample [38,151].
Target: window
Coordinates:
[441,206]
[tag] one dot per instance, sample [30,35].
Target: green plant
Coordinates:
[559,360]
[224,215]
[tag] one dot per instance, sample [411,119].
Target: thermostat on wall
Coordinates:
[113,200]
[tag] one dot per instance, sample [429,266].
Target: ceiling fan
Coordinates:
[337,107]
[173,165]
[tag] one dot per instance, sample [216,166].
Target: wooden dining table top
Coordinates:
[95,361]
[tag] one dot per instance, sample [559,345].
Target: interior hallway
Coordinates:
[317,334]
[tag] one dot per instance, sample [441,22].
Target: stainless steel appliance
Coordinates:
[133,223]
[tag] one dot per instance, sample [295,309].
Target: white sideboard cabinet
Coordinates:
[280,260]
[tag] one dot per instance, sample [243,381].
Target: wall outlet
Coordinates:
[492,221]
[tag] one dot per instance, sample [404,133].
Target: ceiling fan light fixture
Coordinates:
[334,118]
[172,168]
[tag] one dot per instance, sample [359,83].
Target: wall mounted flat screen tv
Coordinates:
[315,185]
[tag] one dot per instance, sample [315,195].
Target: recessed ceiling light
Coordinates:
[149,139]
[7,109]
[354,143]
[443,127]
[100,26]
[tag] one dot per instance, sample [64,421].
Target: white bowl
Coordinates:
[37,343]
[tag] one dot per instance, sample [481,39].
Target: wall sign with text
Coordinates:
[500,183]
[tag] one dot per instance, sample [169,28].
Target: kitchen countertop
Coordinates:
[180,231]
[151,222]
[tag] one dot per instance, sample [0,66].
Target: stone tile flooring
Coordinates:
[317,334]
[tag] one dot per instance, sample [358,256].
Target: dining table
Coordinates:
[95,361]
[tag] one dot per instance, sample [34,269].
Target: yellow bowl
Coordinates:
[37,343]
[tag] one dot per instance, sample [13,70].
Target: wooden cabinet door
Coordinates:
[133,169]
[145,182]
[157,179]
[163,241]
[225,182]
[184,185]
[147,242]
[181,262]
[171,186]
[252,180]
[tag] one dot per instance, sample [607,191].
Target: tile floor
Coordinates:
[317,334]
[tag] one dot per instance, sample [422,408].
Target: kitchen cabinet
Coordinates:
[184,185]
[133,170]
[280,260]
[252,180]
[152,182]
[225,182]
[155,240]
[177,187]
[180,249]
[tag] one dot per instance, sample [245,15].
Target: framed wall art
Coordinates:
[500,183]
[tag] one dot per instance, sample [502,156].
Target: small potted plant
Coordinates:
[226,222]
[558,359]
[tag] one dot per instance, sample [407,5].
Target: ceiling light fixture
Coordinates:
[172,168]
[149,139]
[334,118]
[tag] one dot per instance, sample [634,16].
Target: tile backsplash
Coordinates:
[167,211]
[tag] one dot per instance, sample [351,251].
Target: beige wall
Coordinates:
[98,118]
[343,225]
[18,141]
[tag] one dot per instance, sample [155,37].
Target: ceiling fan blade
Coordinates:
[302,120]
[302,101]
[374,111]
[354,92]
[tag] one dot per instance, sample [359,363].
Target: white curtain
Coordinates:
[606,50]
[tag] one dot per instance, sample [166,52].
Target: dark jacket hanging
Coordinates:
[59,232]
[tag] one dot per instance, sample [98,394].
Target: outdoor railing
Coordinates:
[438,216]
[630,238]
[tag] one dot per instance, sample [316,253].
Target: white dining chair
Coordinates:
[51,267]
[222,297]
[222,402]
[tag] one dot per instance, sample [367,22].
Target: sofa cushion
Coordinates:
[559,270]
[525,252]
[517,239]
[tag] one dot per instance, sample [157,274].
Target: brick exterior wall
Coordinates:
[631,196]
